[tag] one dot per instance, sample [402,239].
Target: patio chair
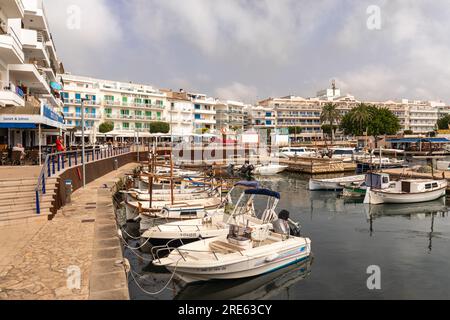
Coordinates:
[34,156]
[16,158]
[4,158]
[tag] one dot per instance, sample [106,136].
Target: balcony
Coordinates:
[11,95]
[30,76]
[35,42]
[11,48]
[89,116]
[78,102]
[204,111]
[13,9]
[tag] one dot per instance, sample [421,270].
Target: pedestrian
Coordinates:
[59,145]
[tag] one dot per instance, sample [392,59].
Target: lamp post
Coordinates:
[82,142]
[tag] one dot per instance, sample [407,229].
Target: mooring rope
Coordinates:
[163,288]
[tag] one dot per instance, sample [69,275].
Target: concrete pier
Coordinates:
[42,260]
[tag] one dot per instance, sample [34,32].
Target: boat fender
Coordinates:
[272,257]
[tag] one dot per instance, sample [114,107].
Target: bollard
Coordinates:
[68,188]
[116,164]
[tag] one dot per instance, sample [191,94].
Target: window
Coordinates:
[108,110]
[125,125]
[124,99]
[109,98]
[197,116]
[148,113]
[138,113]
[78,111]
[197,107]
[66,109]
[435,185]
[158,115]
[138,125]
[428,186]
[77,96]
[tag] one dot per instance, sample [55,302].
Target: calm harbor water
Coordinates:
[410,244]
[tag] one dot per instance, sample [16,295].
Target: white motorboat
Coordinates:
[243,252]
[135,208]
[407,191]
[335,183]
[269,169]
[211,225]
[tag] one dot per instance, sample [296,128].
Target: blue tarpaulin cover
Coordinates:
[264,192]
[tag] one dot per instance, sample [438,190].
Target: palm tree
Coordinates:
[331,115]
[361,116]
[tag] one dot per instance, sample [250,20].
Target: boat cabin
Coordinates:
[415,186]
[377,180]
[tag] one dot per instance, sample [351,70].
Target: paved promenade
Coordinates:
[39,260]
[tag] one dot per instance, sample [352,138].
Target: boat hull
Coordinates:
[269,170]
[379,196]
[248,265]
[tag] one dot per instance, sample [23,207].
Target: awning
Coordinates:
[417,140]
[17,125]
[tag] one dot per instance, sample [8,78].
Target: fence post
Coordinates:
[58,157]
[43,184]
[62,161]
[70,160]
[38,207]
[48,167]
[53,164]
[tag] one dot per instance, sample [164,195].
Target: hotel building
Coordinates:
[230,116]
[289,111]
[30,105]
[130,107]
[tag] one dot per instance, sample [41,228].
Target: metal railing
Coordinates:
[57,162]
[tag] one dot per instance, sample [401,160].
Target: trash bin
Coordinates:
[68,187]
[116,164]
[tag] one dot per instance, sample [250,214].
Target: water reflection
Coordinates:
[423,210]
[256,288]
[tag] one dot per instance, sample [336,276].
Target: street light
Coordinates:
[82,141]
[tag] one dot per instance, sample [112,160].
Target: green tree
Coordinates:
[443,123]
[407,132]
[106,127]
[330,115]
[159,127]
[375,121]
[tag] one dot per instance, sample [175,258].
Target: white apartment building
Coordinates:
[230,116]
[181,113]
[290,111]
[29,92]
[204,113]
[130,107]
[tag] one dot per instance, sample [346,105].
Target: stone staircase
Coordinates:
[18,200]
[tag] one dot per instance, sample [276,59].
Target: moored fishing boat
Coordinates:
[335,183]
[407,191]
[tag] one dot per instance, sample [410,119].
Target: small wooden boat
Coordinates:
[407,191]
[335,183]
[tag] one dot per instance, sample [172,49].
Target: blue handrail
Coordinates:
[54,163]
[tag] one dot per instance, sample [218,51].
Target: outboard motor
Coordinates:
[285,225]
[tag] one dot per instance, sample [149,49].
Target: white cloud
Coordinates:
[238,92]
[85,48]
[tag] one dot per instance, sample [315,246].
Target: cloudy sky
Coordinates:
[254,49]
